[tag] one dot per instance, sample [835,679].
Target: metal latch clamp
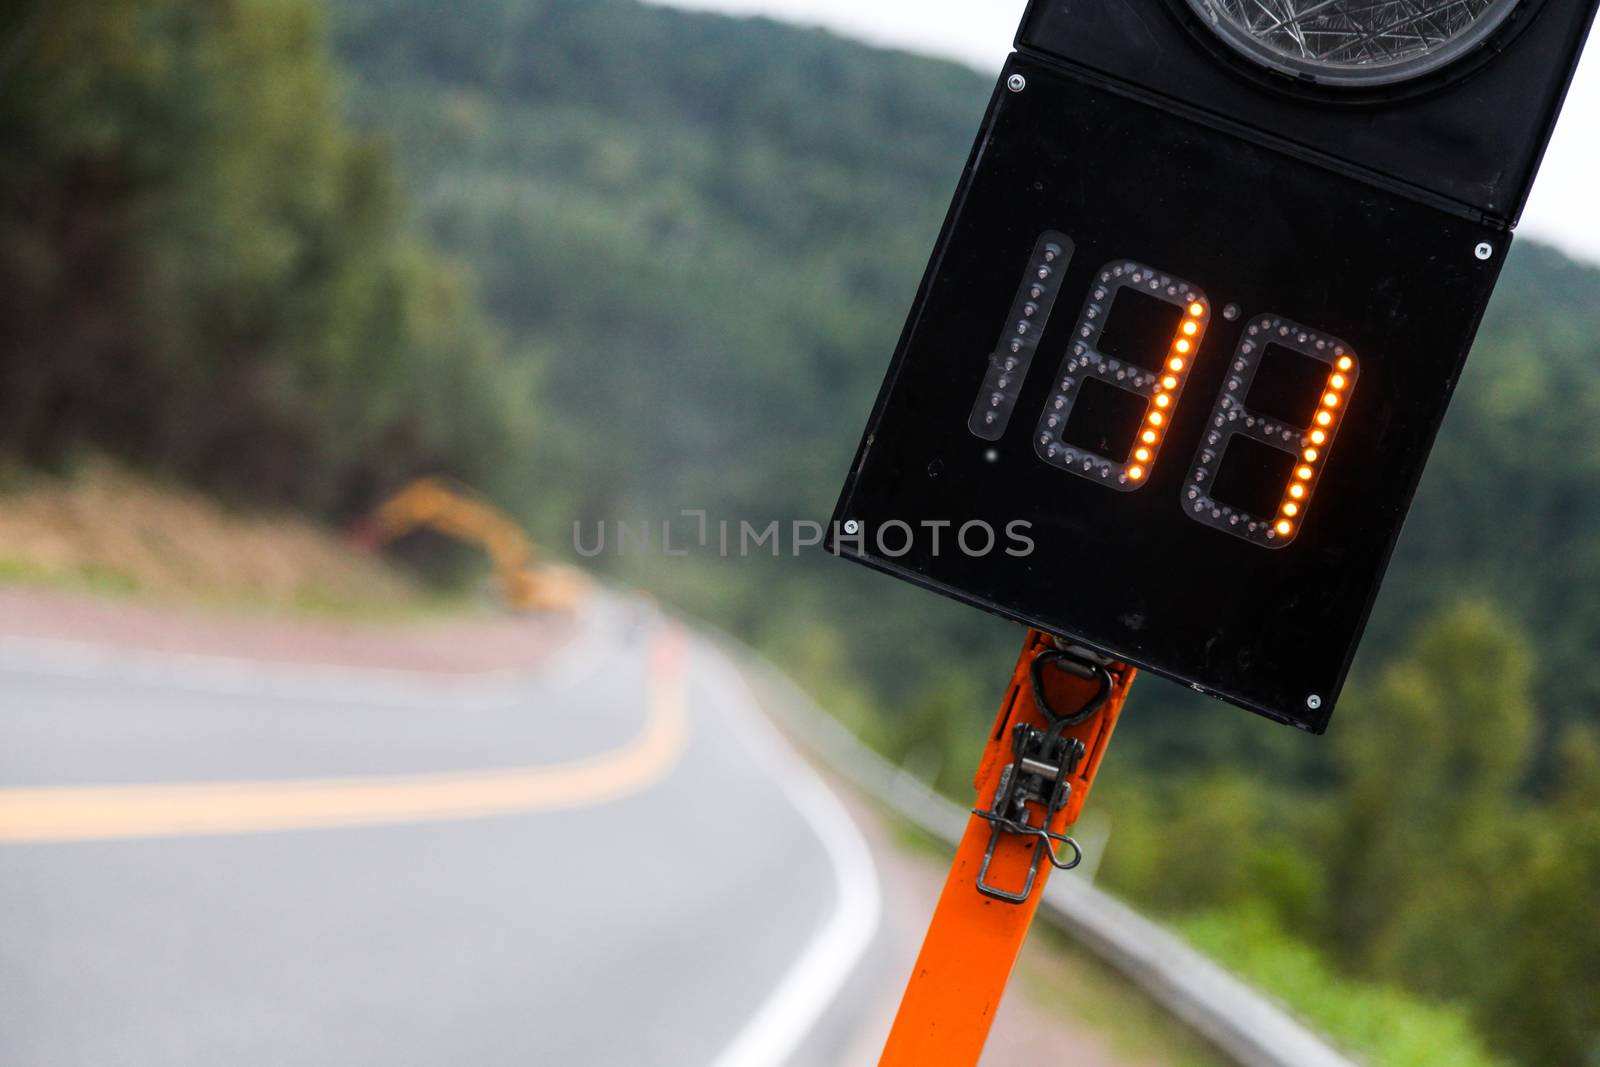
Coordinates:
[1034,782]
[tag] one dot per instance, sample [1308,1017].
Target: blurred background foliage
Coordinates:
[607,262]
[205,269]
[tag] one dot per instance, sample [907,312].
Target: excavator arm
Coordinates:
[459,513]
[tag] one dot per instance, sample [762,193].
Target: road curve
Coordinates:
[611,860]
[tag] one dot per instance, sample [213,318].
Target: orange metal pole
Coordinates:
[973,941]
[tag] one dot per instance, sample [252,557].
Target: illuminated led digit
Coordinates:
[1118,387]
[1271,432]
[1019,339]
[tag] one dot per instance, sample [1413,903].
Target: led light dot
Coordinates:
[1325,419]
[1191,328]
[1304,474]
[1318,437]
[1163,400]
[1312,455]
[1345,363]
[1339,381]
[1136,473]
[1150,437]
[1156,418]
[1169,383]
[1285,528]
[1291,509]
[1176,365]
[1331,400]
[1143,455]
[1197,309]
[1297,491]
[1183,346]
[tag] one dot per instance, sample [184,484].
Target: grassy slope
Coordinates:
[107,530]
[1387,1026]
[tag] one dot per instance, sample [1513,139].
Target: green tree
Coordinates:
[1543,1001]
[1543,1004]
[1430,818]
[1217,840]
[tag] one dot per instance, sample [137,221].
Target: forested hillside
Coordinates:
[711,229]
[714,227]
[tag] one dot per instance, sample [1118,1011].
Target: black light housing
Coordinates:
[1469,133]
[1356,43]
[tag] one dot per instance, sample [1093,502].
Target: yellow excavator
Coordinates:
[460,513]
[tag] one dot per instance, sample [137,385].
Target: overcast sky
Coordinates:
[1564,209]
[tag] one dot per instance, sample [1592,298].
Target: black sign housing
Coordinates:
[1187,371]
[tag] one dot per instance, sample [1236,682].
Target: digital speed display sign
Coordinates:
[1116,394]
[1189,345]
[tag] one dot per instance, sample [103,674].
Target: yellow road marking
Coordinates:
[97,813]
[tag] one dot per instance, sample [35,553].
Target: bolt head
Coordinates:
[1016,83]
[1484,251]
[852,527]
[1314,702]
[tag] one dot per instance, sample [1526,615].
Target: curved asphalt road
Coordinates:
[609,861]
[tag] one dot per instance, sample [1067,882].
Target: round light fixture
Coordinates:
[1354,43]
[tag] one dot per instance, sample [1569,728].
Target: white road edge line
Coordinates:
[775,1033]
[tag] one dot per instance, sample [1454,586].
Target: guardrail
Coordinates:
[1246,1026]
